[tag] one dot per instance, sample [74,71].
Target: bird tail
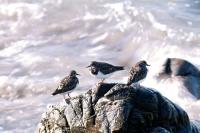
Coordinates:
[54,93]
[119,68]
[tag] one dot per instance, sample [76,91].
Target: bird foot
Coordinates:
[69,96]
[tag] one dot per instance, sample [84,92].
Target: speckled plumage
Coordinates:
[137,72]
[67,84]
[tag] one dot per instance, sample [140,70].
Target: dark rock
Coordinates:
[100,90]
[160,130]
[193,85]
[120,91]
[179,67]
[121,109]
[195,126]
[183,72]
[171,115]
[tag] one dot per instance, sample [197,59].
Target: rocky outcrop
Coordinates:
[185,72]
[117,108]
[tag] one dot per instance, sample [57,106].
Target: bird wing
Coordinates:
[134,73]
[106,68]
[63,82]
[69,83]
[66,84]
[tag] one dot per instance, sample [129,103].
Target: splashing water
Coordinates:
[42,41]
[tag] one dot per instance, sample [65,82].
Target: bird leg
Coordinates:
[68,95]
[100,82]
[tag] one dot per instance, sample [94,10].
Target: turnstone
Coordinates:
[67,84]
[102,70]
[138,72]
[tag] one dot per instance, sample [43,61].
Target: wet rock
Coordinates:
[195,126]
[100,90]
[171,116]
[120,91]
[179,67]
[118,109]
[193,85]
[183,72]
[160,130]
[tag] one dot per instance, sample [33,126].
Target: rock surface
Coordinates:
[179,67]
[187,74]
[117,108]
[53,120]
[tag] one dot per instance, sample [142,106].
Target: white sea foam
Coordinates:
[100,38]
[155,24]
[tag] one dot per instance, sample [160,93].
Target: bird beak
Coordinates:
[148,65]
[88,66]
[77,74]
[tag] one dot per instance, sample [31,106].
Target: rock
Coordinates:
[195,124]
[179,67]
[160,130]
[184,73]
[118,109]
[192,84]
[113,116]
[100,90]
[54,120]
[120,91]
[74,113]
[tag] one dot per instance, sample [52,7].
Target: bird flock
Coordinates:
[102,70]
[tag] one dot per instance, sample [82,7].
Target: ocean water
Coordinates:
[41,41]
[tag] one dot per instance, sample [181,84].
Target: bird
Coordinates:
[67,84]
[102,70]
[138,72]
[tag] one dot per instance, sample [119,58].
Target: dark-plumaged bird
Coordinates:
[137,72]
[103,70]
[67,84]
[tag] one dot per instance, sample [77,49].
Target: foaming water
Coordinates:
[42,41]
